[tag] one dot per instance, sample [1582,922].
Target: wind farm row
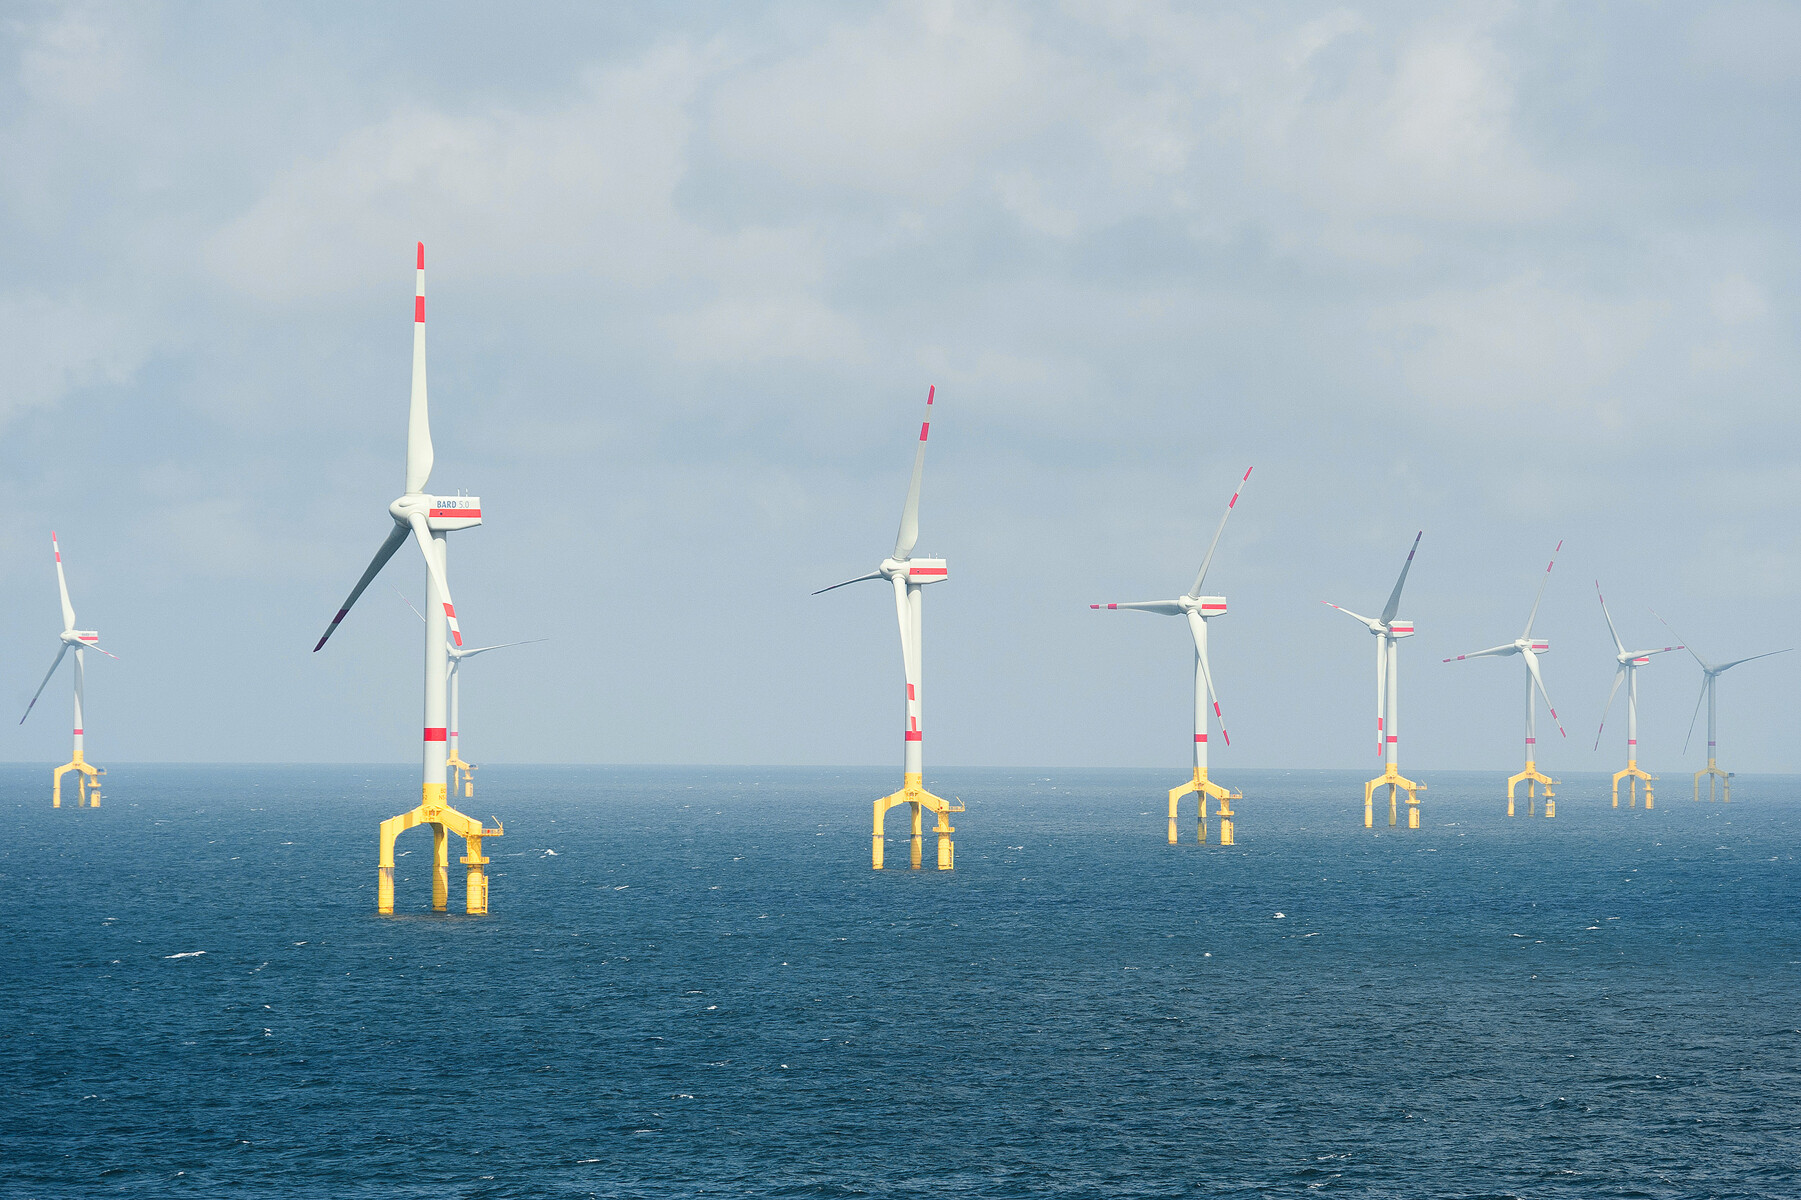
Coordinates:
[427,519]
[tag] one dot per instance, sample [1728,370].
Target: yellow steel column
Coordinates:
[384,886]
[440,867]
[875,839]
[946,851]
[917,856]
[1369,805]
[1225,821]
[477,881]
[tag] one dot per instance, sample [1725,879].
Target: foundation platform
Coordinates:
[444,821]
[87,780]
[1533,778]
[1396,783]
[913,793]
[1633,776]
[1204,789]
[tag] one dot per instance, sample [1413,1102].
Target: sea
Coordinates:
[691,983]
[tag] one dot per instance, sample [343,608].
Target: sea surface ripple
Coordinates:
[691,983]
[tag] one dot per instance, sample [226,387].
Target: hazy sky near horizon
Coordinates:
[1508,273]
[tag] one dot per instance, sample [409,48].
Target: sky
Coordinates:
[1511,274]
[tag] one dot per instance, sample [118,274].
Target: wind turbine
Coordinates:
[1198,610]
[1710,673]
[81,641]
[908,575]
[1389,631]
[426,519]
[461,774]
[1529,648]
[1629,663]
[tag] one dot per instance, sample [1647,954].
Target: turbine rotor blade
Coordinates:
[848,582]
[1541,594]
[55,663]
[1618,644]
[1613,691]
[418,418]
[1491,652]
[1381,696]
[396,536]
[1705,681]
[1169,608]
[1208,561]
[1683,640]
[1354,616]
[904,610]
[422,535]
[909,526]
[1394,599]
[501,646]
[1532,666]
[62,584]
[1197,628]
[1735,662]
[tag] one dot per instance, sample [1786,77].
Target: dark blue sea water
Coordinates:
[705,989]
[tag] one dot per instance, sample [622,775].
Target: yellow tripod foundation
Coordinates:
[1396,783]
[1533,778]
[1712,772]
[1633,774]
[1204,788]
[87,781]
[462,776]
[913,793]
[444,821]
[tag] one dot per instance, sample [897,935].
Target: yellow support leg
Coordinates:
[446,822]
[1396,783]
[87,780]
[1712,772]
[462,777]
[1533,778]
[1204,789]
[1633,775]
[913,793]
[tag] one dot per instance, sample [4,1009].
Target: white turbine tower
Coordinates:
[1389,631]
[426,519]
[81,641]
[1710,674]
[1629,662]
[908,575]
[1529,648]
[1197,610]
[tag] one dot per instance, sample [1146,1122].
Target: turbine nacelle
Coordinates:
[915,570]
[1535,645]
[1400,629]
[443,514]
[1206,606]
[80,638]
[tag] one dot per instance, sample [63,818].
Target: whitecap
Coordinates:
[186,954]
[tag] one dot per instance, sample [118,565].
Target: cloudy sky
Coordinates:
[1508,273]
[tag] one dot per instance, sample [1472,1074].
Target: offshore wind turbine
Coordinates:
[1389,630]
[1197,610]
[426,519]
[1629,662]
[87,776]
[908,575]
[1710,674]
[1529,648]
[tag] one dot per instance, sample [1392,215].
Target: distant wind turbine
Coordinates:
[1197,610]
[908,575]
[1710,674]
[1529,648]
[87,777]
[1629,662]
[1389,631]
